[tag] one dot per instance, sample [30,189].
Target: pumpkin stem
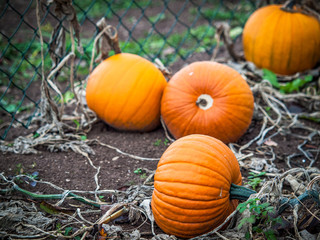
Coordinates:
[204,101]
[288,6]
[109,35]
[240,192]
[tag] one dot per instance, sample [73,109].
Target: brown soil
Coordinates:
[72,171]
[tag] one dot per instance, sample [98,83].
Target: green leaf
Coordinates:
[138,171]
[67,231]
[267,108]
[270,235]
[251,219]
[68,96]
[258,210]
[58,226]
[143,176]
[36,135]
[296,84]
[254,182]
[254,175]
[265,205]
[270,209]
[257,229]
[314,119]
[271,77]
[235,32]
[277,220]
[264,213]
[242,207]
[83,137]
[11,108]
[252,206]
[54,210]
[157,142]
[77,123]
[242,221]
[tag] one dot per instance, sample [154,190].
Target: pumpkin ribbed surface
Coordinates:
[125,91]
[281,41]
[207,98]
[192,184]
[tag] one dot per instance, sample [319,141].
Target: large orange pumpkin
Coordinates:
[207,98]
[125,91]
[281,41]
[192,186]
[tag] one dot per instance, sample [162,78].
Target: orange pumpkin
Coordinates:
[125,91]
[207,98]
[281,41]
[192,186]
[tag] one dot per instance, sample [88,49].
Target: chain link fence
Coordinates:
[176,32]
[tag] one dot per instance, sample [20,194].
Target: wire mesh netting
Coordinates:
[173,31]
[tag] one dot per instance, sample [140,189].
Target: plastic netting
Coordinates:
[172,31]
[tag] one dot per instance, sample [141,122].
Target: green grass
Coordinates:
[20,60]
[237,15]
[100,8]
[197,39]
[184,43]
[157,18]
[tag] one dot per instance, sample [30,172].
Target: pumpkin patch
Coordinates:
[192,184]
[207,98]
[70,168]
[125,91]
[284,42]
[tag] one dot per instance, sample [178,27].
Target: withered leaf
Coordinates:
[54,210]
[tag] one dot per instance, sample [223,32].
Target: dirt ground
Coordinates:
[72,171]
